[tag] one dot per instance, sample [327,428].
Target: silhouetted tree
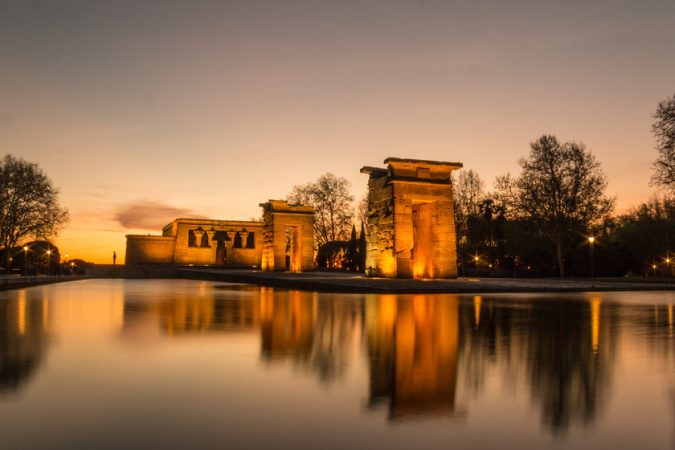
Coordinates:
[352,257]
[28,204]
[362,248]
[664,131]
[332,202]
[468,193]
[561,190]
[643,236]
[41,257]
[332,255]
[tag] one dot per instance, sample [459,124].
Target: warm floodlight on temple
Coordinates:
[288,239]
[411,223]
[282,241]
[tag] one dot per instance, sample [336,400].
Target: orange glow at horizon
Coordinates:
[208,111]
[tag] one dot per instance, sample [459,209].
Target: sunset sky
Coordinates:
[143,111]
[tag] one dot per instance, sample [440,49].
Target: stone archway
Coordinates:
[411,225]
[288,236]
[221,253]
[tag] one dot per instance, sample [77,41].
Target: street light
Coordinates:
[25,258]
[591,240]
[49,259]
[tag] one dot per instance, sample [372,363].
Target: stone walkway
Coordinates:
[16,281]
[356,283]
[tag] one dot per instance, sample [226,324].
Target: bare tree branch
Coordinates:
[28,203]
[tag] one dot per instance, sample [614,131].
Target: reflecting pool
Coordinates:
[191,364]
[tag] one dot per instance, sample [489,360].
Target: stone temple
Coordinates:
[410,221]
[410,230]
[282,241]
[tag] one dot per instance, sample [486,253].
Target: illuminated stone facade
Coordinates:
[411,226]
[229,243]
[288,236]
[284,240]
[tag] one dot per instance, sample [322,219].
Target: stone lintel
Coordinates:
[413,180]
[150,237]
[423,162]
[211,223]
[375,172]
[282,206]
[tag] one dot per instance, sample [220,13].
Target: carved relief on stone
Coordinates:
[244,236]
[211,234]
[198,237]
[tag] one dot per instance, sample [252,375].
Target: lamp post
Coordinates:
[49,260]
[591,241]
[25,258]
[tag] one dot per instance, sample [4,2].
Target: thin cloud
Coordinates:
[149,215]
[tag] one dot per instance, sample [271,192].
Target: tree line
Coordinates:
[553,218]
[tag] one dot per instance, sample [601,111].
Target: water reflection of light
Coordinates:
[21,312]
[477,300]
[521,359]
[595,324]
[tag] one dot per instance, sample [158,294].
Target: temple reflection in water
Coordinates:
[424,355]
[420,346]
[413,349]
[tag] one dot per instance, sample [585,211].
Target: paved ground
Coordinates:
[16,281]
[345,282]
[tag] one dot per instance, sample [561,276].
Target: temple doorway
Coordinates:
[293,255]
[422,247]
[221,253]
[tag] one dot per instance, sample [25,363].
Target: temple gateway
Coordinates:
[282,241]
[411,221]
[410,230]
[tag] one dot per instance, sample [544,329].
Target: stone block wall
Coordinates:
[203,255]
[173,247]
[281,221]
[380,226]
[411,226]
[149,249]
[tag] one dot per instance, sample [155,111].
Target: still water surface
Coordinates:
[189,364]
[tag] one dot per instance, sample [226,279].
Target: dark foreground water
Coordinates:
[187,364]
